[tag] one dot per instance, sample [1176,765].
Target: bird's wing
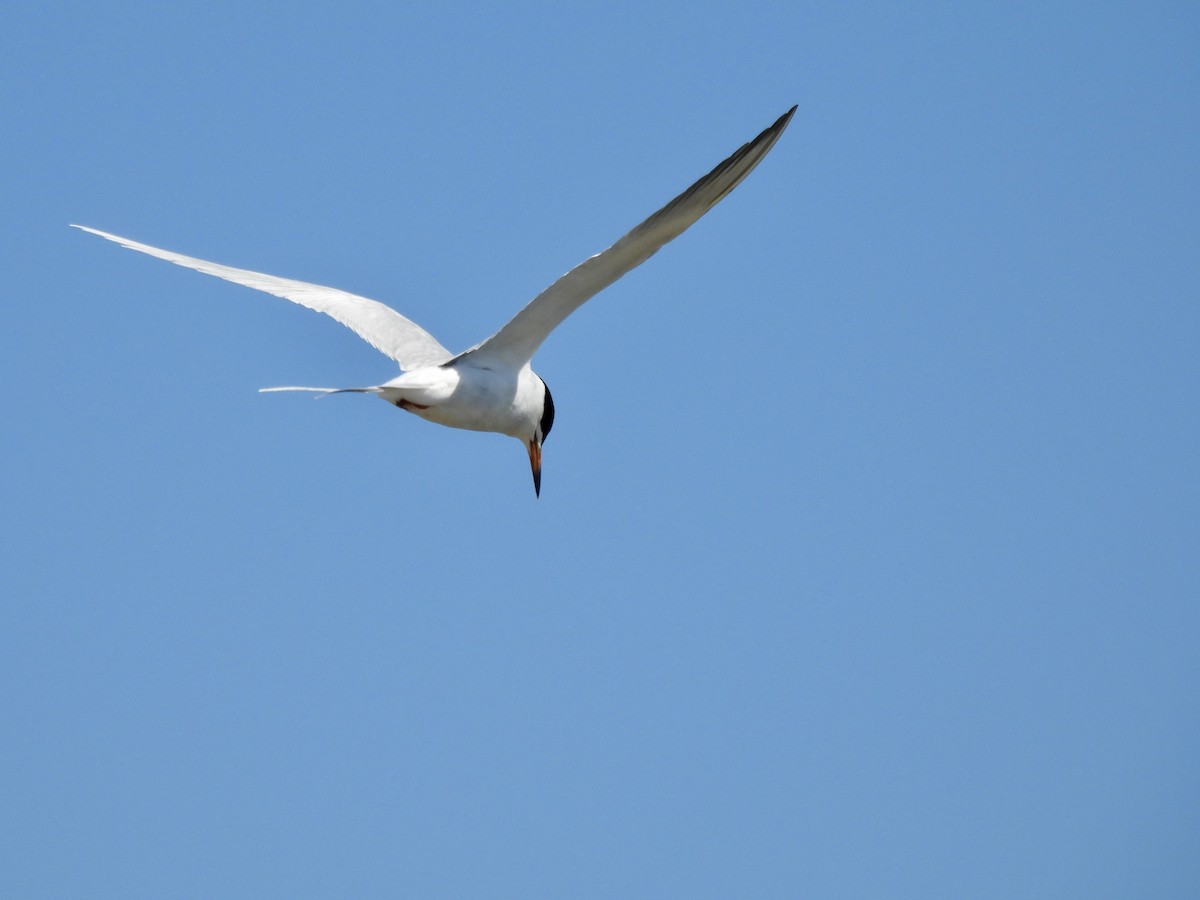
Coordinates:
[379,325]
[516,342]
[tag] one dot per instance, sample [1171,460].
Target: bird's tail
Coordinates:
[323,392]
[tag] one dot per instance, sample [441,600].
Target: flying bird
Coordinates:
[491,386]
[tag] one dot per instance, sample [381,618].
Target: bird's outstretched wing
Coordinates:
[379,325]
[516,342]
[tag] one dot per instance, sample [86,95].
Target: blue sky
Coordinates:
[866,557]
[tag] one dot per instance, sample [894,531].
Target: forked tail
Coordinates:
[322,392]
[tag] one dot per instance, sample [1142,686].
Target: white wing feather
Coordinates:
[379,325]
[516,342]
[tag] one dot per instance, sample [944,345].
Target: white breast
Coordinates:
[477,399]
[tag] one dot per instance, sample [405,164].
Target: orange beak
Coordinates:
[535,463]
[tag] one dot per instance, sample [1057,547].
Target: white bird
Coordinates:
[491,386]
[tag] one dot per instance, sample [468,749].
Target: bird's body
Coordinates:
[490,387]
[462,394]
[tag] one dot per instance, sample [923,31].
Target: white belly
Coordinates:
[464,396]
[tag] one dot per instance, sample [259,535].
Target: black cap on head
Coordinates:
[547,421]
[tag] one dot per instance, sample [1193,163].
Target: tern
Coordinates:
[491,386]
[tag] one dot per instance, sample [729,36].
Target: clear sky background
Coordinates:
[866,562]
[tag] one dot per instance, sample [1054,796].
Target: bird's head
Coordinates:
[540,432]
